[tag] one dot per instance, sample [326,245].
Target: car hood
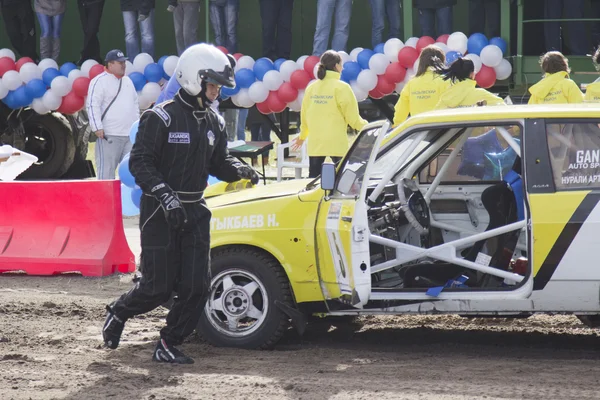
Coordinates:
[280,189]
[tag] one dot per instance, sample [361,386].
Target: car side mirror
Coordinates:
[327,176]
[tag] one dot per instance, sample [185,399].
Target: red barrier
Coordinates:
[47,228]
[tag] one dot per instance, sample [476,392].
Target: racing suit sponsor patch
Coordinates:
[179,137]
[211,138]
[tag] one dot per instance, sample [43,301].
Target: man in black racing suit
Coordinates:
[179,143]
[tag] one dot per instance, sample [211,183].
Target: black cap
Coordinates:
[115,55]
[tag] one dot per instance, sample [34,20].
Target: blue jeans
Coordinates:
[325,12]
[379,10]
[50,26]
[132,45]
[241,126]
[435,17]
[224,19]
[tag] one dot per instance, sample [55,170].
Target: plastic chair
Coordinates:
[297,165]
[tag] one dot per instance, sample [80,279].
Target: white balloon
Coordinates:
[87,66]
[242,99]
[442,46]
[359,92]
[412,42]
[7,53]
[354,53]
[244,62]
[458,42]
[345,57]
[491,55]
[12,80]
[74,74]
[61,86]
[295,105]
[367,80]
[170,64]
[151,91]
[300,62]
[399,87]
[316,70]
[503,70]
[476,61]
[258,92]
[391,48]
[378,63]
[144,102]
[51,100]
[39,107]
[272,80]
[129,68]
[141,61]
[410,73]
[3,90]
[287,69]
[47,63]
[30,71]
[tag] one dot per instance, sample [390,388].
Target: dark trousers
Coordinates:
[90,17]
[171,261]
[577,42]
[595,8]
[435,21]
[276,18]
[19,20]
[314,165]
[482,14]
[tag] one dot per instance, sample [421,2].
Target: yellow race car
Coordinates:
[488,211]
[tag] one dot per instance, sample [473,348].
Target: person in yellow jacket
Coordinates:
[328,107]
[592,91]
[422,92]
[555,87]
[463,92]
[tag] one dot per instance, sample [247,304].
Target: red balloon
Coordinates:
[443,38]
[407,56]
[275,103]
[237,56]
[384,85]
[223,49]
[6,64]
[375,94]
[309,65]
[22,61]
[263,108]
[96,70]
[287,92]
[423,42]
[300,79]
[71,103]
[81,86]
[395,72]
[486,77]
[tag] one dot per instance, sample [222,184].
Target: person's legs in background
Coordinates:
[476,17]
[241,126]
[314,166]
[325,9]
[45,22]
[269,14]
[552,36]
[147,33]
[492,17]
[56,30]
[392,9]
[377,21]
[90,17]
[231,17]
[231,122]
[178,23]
[190,23]
[427,21]
[217,20]
[132,47]
[443,16]
[343,13]
[284,29]
[577,38]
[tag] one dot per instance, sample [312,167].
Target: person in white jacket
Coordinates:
[112,107]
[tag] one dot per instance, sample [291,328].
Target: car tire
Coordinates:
[246,283]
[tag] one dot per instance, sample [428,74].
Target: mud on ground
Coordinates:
[50,348]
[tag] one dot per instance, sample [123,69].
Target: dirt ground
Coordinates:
[50,348]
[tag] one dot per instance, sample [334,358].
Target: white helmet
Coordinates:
[203,63]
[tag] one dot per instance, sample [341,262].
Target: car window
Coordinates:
[485,156]
[574,151]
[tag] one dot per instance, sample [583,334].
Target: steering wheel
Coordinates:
[416,209]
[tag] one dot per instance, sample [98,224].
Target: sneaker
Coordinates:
[112,330]
[169,354]
[171,8]
[142,17]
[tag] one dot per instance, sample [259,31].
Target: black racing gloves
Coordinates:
[174,212]
[247,172]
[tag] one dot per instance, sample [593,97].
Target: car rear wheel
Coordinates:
[241,310]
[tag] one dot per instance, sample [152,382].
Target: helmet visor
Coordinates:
[224,78]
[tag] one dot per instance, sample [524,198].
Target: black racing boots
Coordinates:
[169,354]
[112,330]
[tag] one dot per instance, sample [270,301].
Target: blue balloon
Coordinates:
[499,164]
[364,57]
[212,180]
[379,48]
[476,43]
[49,75]
[124,174]
[133,131]
[350,71]
[153,72]
[136,196]
[498,41]
[473,153]
[66,68]
[261,67]
[138,79]
[22,98]
[9,100]
[36,88]
[161,61]
[244,78]
[127,205]
[278,62]
[452,56]
[228,92]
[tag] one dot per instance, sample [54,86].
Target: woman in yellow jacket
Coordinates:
[328,107]
[555,87]
[422,92]
[592,91]
[463,92]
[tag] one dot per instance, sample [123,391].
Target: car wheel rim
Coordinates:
[238,303]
